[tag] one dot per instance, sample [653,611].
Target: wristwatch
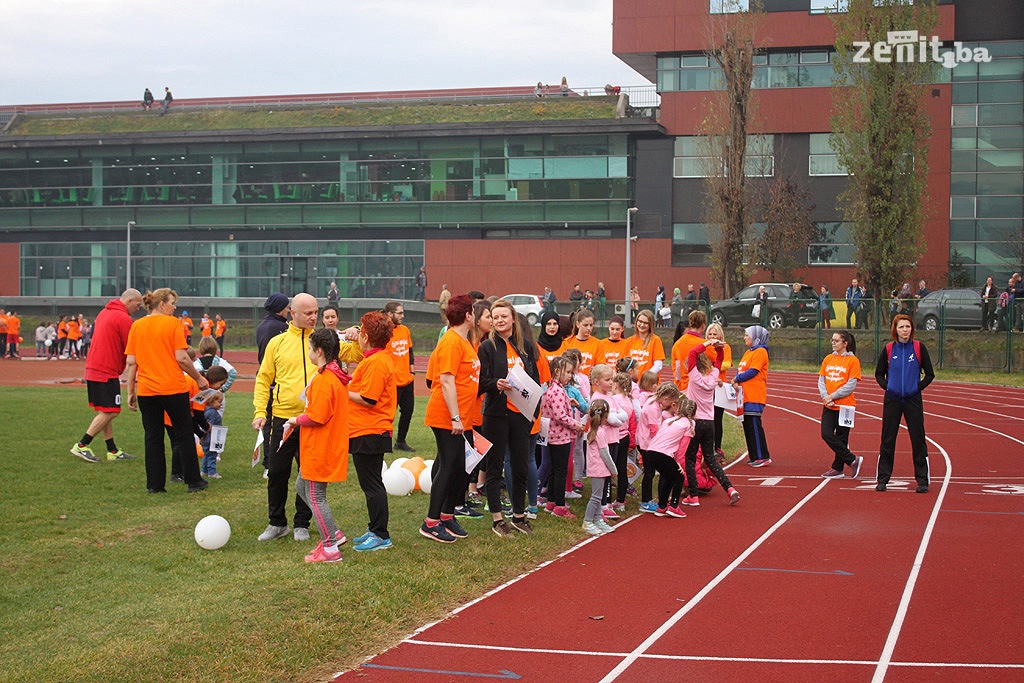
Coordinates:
[456,419]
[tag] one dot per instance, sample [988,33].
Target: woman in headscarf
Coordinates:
[752,374]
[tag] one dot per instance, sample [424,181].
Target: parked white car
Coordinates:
[527,304]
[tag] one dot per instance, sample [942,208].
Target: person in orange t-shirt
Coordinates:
[219,329]
[74,337]
[206,326]
[187,326]
[614,347]
[373,397]
[62,336]
[400,348]
[582,339]
[3,333]
[156,356]
[323,446]
[645,346]
[13,335]
[837,380]
[452,399]
[693,336]
[752,374]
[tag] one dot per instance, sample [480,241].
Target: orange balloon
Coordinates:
[415,465]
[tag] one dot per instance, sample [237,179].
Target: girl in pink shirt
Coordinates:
[562,431]
[599,464]
[651,416]
[663,456]
[622,385]
[701,389]
[602,387]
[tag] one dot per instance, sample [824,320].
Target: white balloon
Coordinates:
[424,479]
[212,532]
[399,482]
[48,342]
[398,463]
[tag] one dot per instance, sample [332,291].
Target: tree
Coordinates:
[880,135]
[789,230]
[957,275]
[732,36]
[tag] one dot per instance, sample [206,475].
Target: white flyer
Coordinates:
[525,393]
[725,397]
[846,414]
[218,435]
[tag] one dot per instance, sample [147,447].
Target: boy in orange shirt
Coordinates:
[323,440]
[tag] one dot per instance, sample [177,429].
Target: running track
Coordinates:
[805,580]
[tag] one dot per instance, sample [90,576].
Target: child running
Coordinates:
[648,424]
[599,467]
[703,379]
[323,444]
[673,438]
[752,373]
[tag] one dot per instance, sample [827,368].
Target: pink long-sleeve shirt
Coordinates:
[701,388]
[555,406]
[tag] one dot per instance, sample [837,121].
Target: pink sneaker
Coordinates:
[676,512]
[608,513]
[692,501]
[550,506]
[321,554]
[661,512]
[734,496]
[618,507]
[563,511]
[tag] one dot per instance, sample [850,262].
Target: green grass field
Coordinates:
[104,582]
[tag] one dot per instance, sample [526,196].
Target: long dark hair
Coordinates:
[847,336]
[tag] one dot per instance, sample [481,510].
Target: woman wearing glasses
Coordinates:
[837,380]
[645,346]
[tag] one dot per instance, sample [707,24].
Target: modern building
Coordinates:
[976,160]
[531,193]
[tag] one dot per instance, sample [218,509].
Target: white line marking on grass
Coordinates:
[695,600]
[908,590]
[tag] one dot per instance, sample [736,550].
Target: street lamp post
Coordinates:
[629,288]
[128,258]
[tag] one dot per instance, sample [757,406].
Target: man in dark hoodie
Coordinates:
[272,325]
[103,368]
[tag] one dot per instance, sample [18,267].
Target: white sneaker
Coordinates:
[266,474]
[301,534]
[272,532]
[572,494]
[592,529]
[604,526]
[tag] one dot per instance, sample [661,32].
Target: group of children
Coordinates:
[67,339]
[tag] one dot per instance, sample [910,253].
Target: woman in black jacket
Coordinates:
[504,426]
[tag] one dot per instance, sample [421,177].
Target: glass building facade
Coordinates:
[242,218]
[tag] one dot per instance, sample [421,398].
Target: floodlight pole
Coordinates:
[629,289]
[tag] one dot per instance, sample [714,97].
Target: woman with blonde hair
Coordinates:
[715,331]
[645,346]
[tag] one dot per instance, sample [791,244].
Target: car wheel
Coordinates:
[776,321]
[931,323]
[717,317]
[531,318]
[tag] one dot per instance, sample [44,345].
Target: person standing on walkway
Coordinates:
[400,348]
[103,367]
[904,370]
[752,375]
[837,380]
[852,301]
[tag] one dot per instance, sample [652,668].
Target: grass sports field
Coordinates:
[104,582]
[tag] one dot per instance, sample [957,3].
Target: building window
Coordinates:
[823,160]
[728,6]
[693,161]
[691,244]
[833,247]
[822,6]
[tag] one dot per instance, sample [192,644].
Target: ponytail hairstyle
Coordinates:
[158,296]
[582,314]
[598,415]
[649,380]
[574,356]
[600,371]
[851,343]
[666,389]
[558,365]
[325,340]
[623,382]
[625,364]
[686,408]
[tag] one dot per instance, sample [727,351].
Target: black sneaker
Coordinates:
[454,528]
[403,446]
[880,486]
[200,485]
[922,488]
[438,533]
[522,525]
[176,478]
[466,511]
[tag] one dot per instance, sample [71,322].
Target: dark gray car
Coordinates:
[782,310]
[958,309]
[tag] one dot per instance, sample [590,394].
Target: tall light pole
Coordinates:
[629,289]
[128,258]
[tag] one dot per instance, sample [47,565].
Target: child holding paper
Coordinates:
[837,380]
[213,417]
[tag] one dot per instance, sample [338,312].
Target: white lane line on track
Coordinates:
[885,661]
[710,586]
[709,658]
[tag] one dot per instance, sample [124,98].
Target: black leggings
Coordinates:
[704,439]
[406,403]
[152,409]
[558,468]
[670,484]
[448,476]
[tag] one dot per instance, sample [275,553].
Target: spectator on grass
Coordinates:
[400,348]
[157,355]
[103,368]
[219,329]
[273,324]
